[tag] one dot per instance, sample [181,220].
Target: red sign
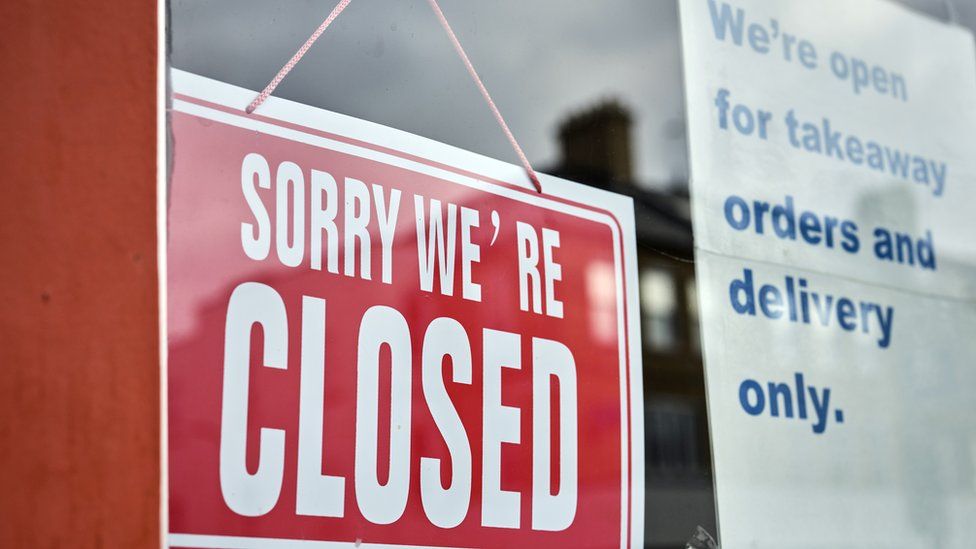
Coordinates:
[375,339]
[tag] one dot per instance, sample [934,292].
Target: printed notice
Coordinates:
[833,193]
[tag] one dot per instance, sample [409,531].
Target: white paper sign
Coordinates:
[833,190]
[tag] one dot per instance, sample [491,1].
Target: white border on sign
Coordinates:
[237,542]
[618,216]
[162,185]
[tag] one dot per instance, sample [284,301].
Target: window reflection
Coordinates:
[694,328]
[659,307]
[672,437]
[600,290]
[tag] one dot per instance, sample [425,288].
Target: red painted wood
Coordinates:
[79,389]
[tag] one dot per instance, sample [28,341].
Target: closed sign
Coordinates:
[376,339]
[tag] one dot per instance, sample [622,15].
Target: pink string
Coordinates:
[484,93]
[269,89]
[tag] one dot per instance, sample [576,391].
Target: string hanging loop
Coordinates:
[269,89]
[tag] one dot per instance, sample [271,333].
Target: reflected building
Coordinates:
[596,149]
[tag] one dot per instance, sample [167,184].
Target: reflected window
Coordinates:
[694,326]
[672,437]
[659,307]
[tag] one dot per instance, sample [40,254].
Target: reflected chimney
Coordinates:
[595,143]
